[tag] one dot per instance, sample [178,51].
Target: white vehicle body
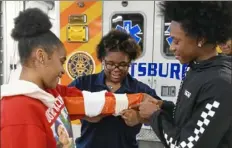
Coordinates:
[157,67]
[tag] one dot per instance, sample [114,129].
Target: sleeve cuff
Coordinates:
[154,116]
[166,105]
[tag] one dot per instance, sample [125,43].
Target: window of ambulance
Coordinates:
[166,38]
[133,23]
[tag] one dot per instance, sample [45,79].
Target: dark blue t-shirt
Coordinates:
[111,131]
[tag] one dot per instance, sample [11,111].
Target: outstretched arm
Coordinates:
[91,104]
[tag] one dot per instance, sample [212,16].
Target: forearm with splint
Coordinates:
[84,103]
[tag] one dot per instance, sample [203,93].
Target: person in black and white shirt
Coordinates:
[202,116]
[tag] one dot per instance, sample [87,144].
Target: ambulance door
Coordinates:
[168,71]
[1,45]
[11,65]
[136,17]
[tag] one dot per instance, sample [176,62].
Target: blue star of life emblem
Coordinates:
[132,30]
[167,33]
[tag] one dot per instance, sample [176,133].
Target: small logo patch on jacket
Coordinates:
[187,93]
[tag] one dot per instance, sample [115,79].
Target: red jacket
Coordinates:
[28,122]
[33,118]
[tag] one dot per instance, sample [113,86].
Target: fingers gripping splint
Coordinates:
[121,103]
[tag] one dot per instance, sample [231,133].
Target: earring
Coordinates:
[172,48]
[103,65]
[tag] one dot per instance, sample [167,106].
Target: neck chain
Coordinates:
[110,87]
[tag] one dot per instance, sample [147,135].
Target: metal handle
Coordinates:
[154,84]
[149,82]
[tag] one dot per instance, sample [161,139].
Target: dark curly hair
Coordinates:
[118,41]
[32,30]
[211,20]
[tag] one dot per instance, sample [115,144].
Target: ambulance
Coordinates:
[80,26]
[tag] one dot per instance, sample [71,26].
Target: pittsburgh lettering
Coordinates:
[165,70]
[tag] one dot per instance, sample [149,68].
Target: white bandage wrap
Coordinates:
[93,102]
[121,103]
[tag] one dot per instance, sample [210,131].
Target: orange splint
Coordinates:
[74,101]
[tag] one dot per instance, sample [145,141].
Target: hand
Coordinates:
[146,109]
[94,119]
[148,98]
[131,117]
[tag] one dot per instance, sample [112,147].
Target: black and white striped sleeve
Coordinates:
[210,120]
